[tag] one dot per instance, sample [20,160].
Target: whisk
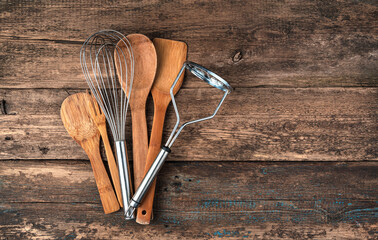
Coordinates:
[205,75]
[107,62]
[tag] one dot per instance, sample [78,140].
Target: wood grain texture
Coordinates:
[256,43]
[305,74]
[258,200]
[322,124]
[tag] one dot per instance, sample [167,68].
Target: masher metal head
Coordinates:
[208,76]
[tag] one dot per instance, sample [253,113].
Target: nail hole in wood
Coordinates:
[144,212]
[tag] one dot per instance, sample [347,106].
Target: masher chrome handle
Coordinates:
[148,178]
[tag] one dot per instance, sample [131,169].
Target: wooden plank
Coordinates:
[255,43]
[89,16]
[53,200]
[259,124]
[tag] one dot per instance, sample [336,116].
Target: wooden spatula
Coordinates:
[145,62]
[78,123]
[171,56]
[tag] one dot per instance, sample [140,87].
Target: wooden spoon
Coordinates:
[171,57]
[145,63]
[79,124]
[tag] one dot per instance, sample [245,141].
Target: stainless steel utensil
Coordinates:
[207,76]
[97,58]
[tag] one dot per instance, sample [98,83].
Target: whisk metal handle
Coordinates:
[125,178]
[149,178]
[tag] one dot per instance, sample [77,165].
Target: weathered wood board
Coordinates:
[316,124]
[255,200]
[250,43]
[305,76]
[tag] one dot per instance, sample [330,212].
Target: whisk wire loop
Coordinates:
[98,57]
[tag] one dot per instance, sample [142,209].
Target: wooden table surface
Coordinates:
[291,154]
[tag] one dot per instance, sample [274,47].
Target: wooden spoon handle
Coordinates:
[140,143]
[105,188]
[112,164]
[144,213]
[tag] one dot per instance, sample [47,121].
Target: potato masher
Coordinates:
[207,76]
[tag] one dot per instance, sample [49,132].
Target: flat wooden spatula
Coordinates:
[171,56]
[79,124]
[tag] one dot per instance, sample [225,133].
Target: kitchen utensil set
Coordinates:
[120,71]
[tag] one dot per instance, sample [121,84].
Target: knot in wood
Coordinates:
[3,107]
[237,57]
